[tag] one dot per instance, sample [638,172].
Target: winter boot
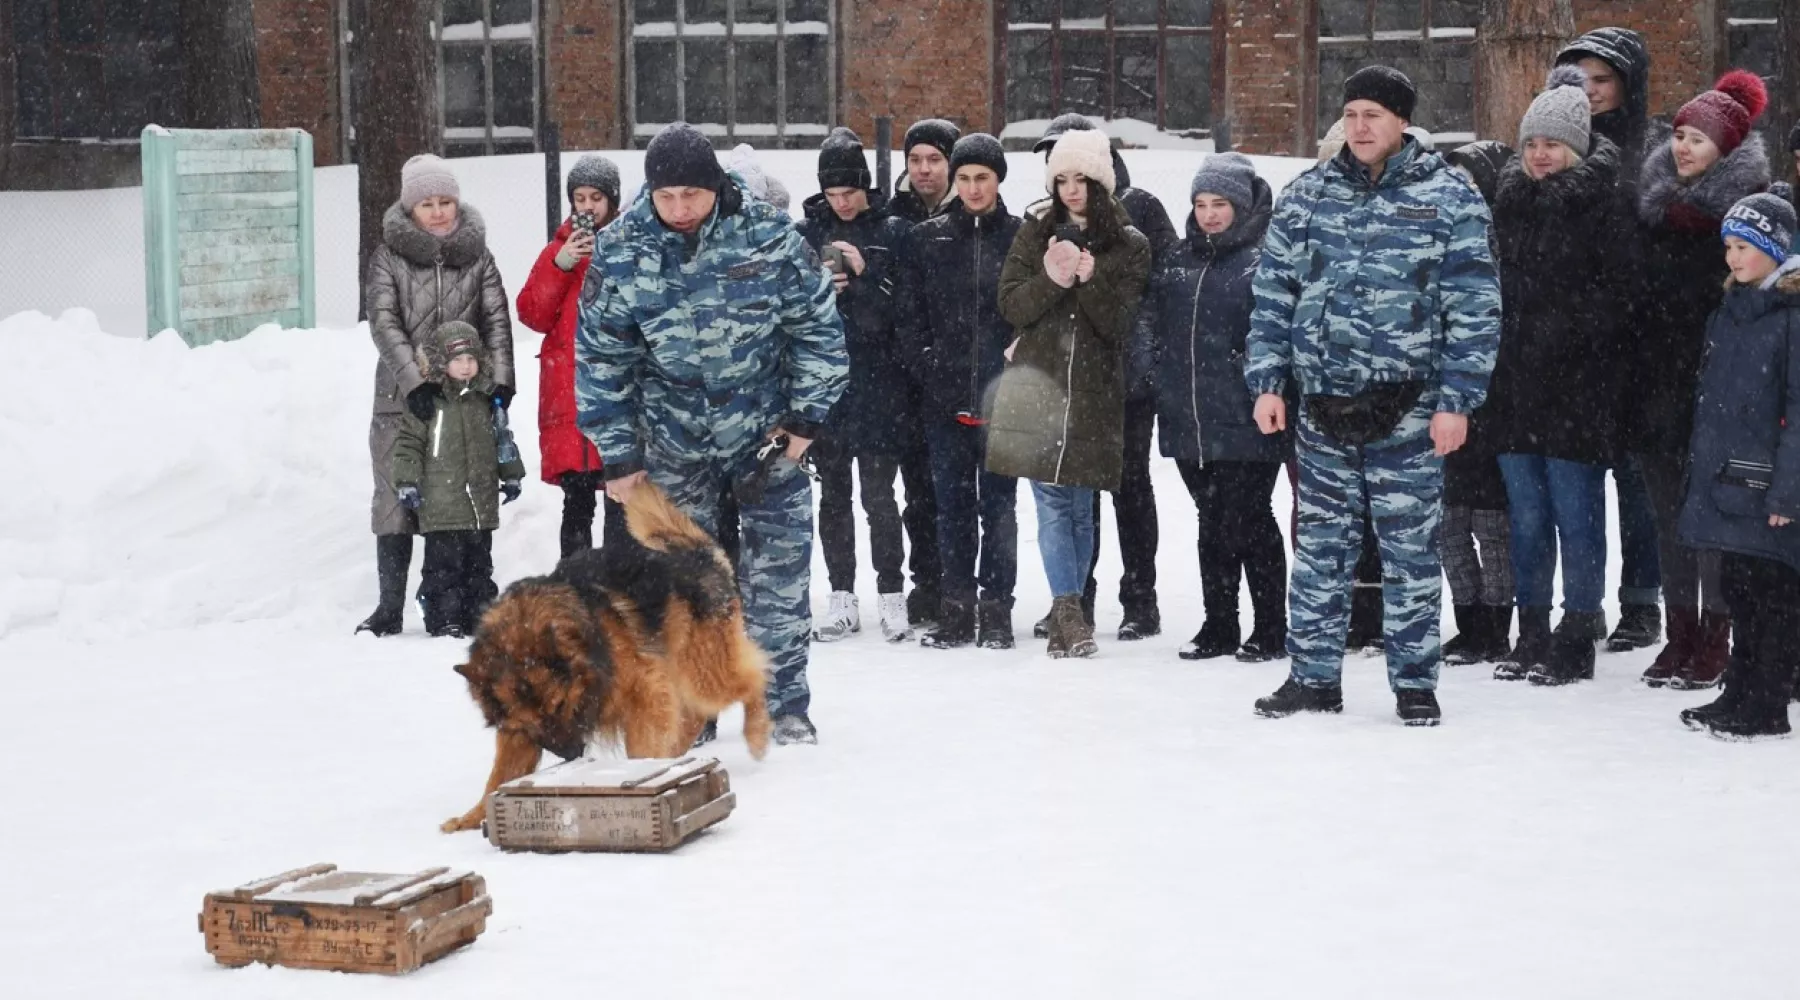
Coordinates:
[922,606]
[1684,632]
[1140,622]
[1470,640]
[1711,652]
[1056,644]
[393,555]
[1496,637]
[1417,708]
[1601,630]
[1746,726]
[1365,621]
[993,624]
[1640,625]
[1293,697]
[842,618]
[955,626]
[895,626]
[1040,629]
[1217,637]
[1571,652]
[1534,649]
[1726,704]
[793,728]
[1266,642]
[708,733]
[1076,633]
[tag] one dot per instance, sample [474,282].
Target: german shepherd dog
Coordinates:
[639,643]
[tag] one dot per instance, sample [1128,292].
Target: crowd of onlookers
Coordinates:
[1446,350]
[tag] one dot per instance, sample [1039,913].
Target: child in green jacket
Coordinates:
[452,469]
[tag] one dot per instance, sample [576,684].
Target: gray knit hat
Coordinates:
[426,176]
[1231,176]
[1561,112]
[597,172]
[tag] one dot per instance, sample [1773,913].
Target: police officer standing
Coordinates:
[708,328]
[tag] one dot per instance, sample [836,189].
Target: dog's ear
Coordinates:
[463,669]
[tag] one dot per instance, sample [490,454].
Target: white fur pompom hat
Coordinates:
[1087,152]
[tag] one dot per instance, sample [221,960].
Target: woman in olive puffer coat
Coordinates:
[432,267]
[1070,288]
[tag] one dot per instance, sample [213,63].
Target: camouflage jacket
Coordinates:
[1363,283]
[704,345]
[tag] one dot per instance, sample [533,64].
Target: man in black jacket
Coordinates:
[1134,504]
[925,191]
[1617,65]
[875,424]
[953,338]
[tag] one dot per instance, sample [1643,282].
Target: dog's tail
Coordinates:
[658,524]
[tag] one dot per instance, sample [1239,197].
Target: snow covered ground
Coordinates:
[184,551]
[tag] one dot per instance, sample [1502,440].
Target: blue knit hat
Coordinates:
[1765,221]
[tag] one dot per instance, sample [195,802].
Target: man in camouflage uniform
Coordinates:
[1378,294]
[707,329]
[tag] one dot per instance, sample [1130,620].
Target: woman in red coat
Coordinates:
[549,304]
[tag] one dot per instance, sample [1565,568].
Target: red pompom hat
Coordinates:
[1726,112]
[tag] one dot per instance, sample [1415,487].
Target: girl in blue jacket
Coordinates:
[1743,483]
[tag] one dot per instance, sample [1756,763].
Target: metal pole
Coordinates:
[552,142]
[884,152]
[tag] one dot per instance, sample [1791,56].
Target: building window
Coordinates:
[1755,38]
[1146,60]
[1431,41]
[488,76]
[88,69]
[755,71]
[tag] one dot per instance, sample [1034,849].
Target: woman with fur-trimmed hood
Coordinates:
[1687,187]
[432,267]
[1070,288]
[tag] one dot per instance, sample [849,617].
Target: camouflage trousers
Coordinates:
[774,564]
[1399,481]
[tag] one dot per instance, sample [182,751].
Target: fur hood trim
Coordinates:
[1742,173]
[461,248]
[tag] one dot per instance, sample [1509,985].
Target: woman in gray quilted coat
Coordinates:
[432,267]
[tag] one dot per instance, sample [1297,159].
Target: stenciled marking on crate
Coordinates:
[286,926]
[544,815]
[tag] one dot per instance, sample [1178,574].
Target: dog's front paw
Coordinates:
[460,824]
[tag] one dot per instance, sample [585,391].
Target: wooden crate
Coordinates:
[610,805]
[321,918]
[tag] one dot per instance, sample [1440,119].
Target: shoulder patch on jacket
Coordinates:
[748,269]
[1425,214]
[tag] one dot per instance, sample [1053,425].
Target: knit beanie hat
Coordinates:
[1765,221]
[934,132]
[426,176]
[680,156]
[1060,125]
[1726,112]
[597,172]
[977,149]
[841,162]
[457,337]
[1384,85]
[1561,112]
[1231,176]
[761,184]
[1084,151]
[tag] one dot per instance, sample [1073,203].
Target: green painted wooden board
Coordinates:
[234,161]
[230,183]
[259,236]
[245,218]
[201,275]
[203,255]
[215,201]
[237,298]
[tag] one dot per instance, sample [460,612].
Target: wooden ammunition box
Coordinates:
[321,918]
[610,805]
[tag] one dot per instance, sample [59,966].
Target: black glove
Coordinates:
[503,395]
[509,490]
[409,496]
[423,400]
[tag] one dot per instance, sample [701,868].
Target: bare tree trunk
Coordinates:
[218,42]
[396,113]
[1513,52]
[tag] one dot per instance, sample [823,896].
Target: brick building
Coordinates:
[79,79]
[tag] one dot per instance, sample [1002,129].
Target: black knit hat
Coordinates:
[1384,85]
[979,149]
[841,162]
[934,132]
[680,156]
[597,172]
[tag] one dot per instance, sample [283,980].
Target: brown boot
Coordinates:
[1684,632]
[1077,633]
[1058,645]
[1710,655]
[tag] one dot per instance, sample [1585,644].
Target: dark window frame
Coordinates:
[1422,40]
[458,141]
[54,50]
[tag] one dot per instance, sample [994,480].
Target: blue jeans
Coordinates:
[976,514]
[1065,535]
[1552,499]
[1640,581]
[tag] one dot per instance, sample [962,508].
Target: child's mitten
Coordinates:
[510,490]
[409,496]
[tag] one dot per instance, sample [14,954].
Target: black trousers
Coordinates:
[458,582]
[581,498]
[837,519]
[1134,511]
[1239,538]
[1764,597]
